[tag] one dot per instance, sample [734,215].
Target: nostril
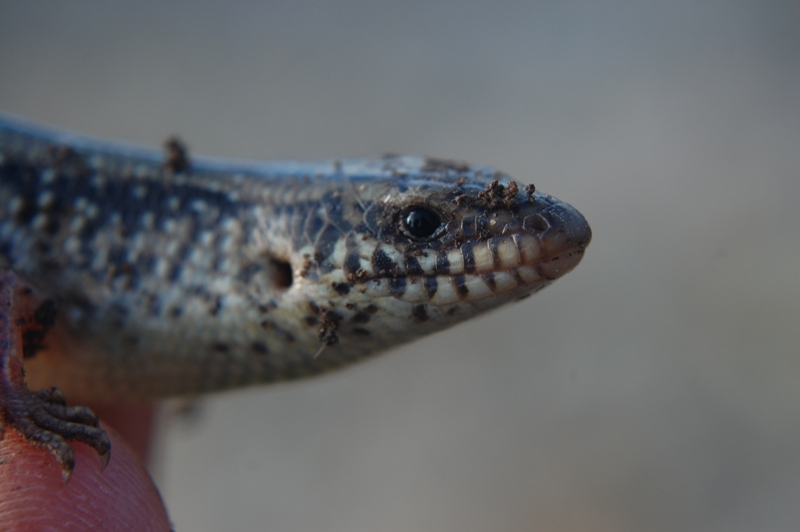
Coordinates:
[535,222]
[281,274]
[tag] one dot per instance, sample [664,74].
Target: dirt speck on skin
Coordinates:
[496,195]
[66,159]
[361,275]
[328,327]
[177,156]
[462,200]
[307,264]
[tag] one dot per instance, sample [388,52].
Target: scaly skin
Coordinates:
[178,277]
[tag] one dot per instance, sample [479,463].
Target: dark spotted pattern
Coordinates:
[461,287]
[341,288]
[413,267]
[111,202]
[383,265]
[36,326]
[325,243]
[174,275]
[259,348]
[397,286]
[352,266]
[431,286]
[494,250]
[469,257]
[442,263]
[419,313]
[360,317]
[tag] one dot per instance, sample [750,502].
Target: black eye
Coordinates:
[422,222]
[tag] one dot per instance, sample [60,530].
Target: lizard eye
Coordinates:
[422,222]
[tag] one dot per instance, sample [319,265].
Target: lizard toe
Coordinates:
[52,425]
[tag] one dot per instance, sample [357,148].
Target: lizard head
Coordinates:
[427,245]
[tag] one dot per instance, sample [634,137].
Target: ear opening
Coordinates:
[282,278]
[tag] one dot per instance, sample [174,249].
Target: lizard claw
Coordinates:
[42,417]
[71,422]
[50,424]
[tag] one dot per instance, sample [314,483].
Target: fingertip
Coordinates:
[120,497]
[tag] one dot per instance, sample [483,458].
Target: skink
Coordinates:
[164,275]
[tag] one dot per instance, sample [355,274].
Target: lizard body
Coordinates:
[173,276]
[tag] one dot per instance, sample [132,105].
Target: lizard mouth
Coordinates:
[548,245]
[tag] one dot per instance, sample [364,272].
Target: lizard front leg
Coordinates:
[42,417]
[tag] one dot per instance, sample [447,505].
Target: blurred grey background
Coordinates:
[655,388]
